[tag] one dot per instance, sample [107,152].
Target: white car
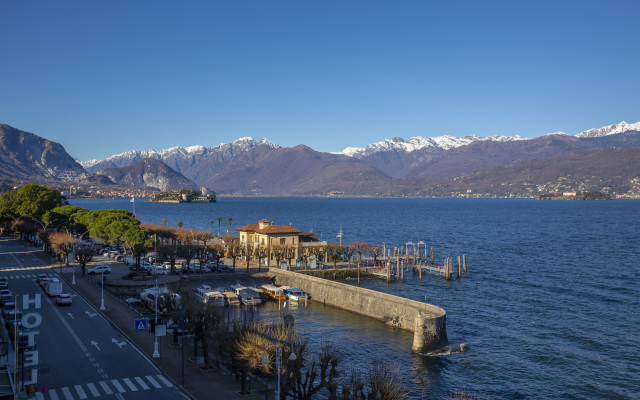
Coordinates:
[100,269]
[160,270]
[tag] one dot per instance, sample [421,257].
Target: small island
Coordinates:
[184,196]
[593,195]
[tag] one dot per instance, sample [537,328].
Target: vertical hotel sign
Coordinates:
[31,320]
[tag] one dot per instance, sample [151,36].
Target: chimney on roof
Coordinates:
[290,224]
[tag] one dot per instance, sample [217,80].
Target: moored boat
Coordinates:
[232,298]
[248,296]
[274,292]
[296,294]
[165,299]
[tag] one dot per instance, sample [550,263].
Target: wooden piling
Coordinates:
[432,255]
[464,263]
[459,266]
[446,269]
[420,271]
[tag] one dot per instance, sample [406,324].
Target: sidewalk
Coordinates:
[197,384]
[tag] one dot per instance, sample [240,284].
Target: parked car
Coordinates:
[100,269]
[120,258]
[7,308]
[5,298]
[224,267]
[11,318]
[64,299]
[160,270]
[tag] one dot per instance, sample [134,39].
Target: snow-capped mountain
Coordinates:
[622,127]
[180,158]
[417,143]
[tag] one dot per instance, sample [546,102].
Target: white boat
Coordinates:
[295,294]
[208,295]
[165,299]
[382,274]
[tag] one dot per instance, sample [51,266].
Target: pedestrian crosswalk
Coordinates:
[105,387]
[26,276]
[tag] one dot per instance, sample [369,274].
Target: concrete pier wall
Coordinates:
[427,321]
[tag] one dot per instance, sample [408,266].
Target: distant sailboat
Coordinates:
[340,235]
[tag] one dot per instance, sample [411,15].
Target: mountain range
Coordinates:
[394,167]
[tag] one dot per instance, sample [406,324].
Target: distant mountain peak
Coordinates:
[444,142]
[622,127]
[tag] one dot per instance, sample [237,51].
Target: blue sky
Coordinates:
[104,77]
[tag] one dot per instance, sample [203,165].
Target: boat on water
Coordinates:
[382,274]
[232,298]
[211,296]
[159,295]
[248,296]
[295,294]
[274,292]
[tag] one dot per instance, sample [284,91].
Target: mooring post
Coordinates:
[464,263]
[420,271]
[459,265]
[432,255]
[446,269]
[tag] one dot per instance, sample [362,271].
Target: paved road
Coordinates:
[80,355]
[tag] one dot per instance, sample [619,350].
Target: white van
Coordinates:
[53,287]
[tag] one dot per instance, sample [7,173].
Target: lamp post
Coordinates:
[156,352]
[102,294]
[265,360]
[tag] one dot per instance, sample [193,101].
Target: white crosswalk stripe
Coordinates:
[118,386]
[105,387]
[165,380]
[108,388]
[94,391]
[130,384]
[67,393]
[80,391]
[153,381]
[141,383]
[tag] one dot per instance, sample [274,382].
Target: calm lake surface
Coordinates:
[550,306]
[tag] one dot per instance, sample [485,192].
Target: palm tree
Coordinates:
[180,224]
[164,221]
[211,222]
[219,219]
[230,220]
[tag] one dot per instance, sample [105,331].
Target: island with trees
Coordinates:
[184,196]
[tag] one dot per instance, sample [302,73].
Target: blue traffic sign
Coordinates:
[141,325]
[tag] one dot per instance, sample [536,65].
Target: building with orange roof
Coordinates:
[265,234]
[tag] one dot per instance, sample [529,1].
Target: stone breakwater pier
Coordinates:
[427,322]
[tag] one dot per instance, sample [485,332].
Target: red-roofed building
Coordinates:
[264,233]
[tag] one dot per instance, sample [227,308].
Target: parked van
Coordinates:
[53,287]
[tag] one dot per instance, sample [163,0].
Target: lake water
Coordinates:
[550,306]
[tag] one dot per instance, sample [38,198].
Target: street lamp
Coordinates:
[102,294]
[265,360]
[156,353]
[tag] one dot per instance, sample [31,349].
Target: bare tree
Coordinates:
[84,254]
[62,242]
[334,252]
[374,251]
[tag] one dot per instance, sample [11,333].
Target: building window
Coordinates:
[262,240]
[283,241]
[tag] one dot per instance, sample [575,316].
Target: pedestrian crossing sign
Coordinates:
[141,325]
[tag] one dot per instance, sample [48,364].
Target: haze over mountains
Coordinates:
[414,167]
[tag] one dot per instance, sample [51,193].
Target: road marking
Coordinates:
[118,386]
[153,382]
[94,391]
[141,383]
[130,384]
[105,387]
[39,396]
[53,394]
[80,391]
[67,393]
[164,380]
